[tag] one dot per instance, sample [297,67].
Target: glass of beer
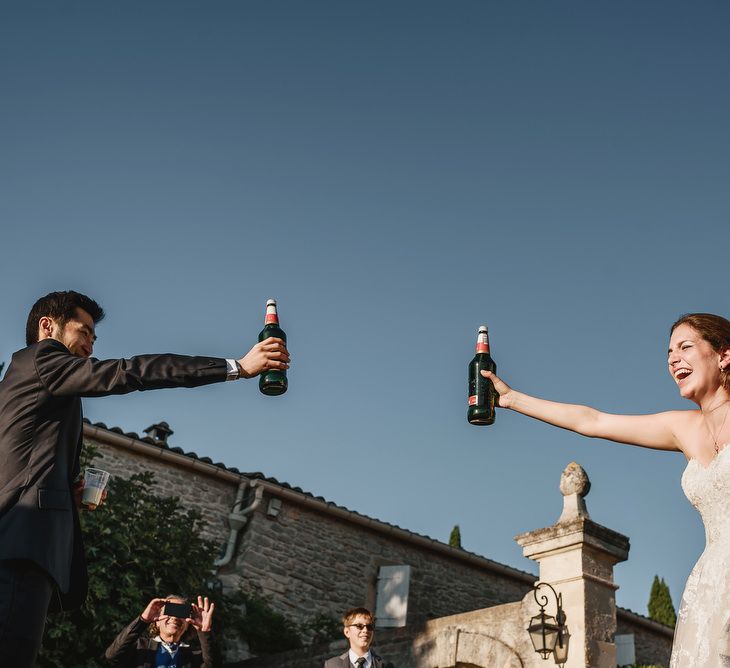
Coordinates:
[95,481]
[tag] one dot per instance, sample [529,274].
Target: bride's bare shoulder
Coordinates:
[684,417]
[685,425]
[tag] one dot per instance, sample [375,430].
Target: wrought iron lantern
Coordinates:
[560,652]
[549,634]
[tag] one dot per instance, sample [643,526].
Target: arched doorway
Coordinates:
[477,650]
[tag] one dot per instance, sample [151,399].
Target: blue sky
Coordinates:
[395,174]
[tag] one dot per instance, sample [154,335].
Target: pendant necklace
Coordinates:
[719,431]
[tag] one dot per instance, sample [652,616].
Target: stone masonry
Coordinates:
[310,563]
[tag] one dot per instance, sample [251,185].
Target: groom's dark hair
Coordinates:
[61,306]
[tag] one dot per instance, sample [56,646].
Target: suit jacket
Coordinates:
[40,444]
[343,661]
[131,649]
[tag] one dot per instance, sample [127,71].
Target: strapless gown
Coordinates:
[702,636]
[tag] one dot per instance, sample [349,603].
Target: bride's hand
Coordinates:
[504,391]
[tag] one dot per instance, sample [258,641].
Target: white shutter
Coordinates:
[625,651]
[391,604]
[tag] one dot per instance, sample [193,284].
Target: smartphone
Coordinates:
[182,610]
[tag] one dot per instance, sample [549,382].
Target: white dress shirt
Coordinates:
[368,659]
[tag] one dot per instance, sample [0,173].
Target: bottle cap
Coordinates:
[483,328]
[271,302]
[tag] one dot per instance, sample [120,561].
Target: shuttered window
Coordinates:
[391,604]
[625,652]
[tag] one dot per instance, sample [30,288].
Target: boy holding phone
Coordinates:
[167,620]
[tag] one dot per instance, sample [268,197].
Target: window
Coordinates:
[625,651]
[391,603]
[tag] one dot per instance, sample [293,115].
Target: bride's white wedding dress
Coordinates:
[702,636]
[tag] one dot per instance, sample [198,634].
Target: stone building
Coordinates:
[437,606]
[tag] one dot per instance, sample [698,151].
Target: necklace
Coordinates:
[719,431]
[714,408]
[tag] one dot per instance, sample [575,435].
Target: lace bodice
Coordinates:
[702,637]
[708,490]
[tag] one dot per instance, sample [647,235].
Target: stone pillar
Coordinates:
[576,556]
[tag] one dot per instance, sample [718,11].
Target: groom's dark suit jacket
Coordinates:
[40,442]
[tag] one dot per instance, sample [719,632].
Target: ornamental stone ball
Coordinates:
[574,480]
[574,485]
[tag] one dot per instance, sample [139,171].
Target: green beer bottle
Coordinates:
[481,390]
[272,382]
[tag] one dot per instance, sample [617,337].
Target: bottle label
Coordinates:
[473,399]
[272,318]
[482,342]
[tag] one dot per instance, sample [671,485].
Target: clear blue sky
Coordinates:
[395,174]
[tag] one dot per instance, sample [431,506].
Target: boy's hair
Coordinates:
[61,306]
[354,612]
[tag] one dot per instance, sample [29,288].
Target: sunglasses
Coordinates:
[360,627]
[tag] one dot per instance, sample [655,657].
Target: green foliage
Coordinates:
[266,631]
[324,629]
[270,632]
[455,537]
[138,546]
[660,605]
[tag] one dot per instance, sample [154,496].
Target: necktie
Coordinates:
[360,662]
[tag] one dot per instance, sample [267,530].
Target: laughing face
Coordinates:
[77,333]
[694,364]
[172,628]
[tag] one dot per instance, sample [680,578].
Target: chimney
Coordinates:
[159,432]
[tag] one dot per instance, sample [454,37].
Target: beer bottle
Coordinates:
[481,390]
[272,382]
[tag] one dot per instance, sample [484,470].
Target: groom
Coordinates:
[42,559]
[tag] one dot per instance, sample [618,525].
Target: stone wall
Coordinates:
[490,638]
[311,563]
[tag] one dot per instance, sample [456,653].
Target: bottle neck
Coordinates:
[272,317]
[483,343]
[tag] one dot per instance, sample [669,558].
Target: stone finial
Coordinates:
[574,486]
[575,480]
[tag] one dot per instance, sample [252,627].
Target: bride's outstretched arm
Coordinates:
[658,430]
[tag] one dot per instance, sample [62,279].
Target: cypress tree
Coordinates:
[660,605]
[455,537]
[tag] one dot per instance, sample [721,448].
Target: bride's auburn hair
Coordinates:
[712,328]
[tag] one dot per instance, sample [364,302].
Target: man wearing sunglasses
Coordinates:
[358,627]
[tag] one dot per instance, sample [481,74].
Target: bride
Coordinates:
[699,363]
